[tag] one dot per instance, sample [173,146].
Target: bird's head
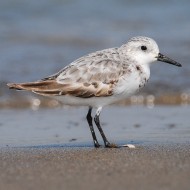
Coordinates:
[145,50]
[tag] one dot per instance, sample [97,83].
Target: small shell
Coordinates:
[129,145]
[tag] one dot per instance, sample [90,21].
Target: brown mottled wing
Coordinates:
[91,78]
[94,75]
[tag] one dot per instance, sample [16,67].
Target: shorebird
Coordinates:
[101,78]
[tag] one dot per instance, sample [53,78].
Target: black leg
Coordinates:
[89,119]
[97,121]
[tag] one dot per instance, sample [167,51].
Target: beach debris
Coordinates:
[129,145]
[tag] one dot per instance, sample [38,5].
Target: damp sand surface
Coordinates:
[52,149]
[67,126]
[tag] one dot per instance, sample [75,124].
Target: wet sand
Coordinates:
[52,149]
[67,126]
[146,167]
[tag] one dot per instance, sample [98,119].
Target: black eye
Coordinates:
[144,48]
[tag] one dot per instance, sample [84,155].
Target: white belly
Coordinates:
[93,101]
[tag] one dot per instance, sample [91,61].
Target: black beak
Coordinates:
[165,59]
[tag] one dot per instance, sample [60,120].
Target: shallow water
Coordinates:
[67,127]
[40,37]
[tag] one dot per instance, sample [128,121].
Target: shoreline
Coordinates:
[67,126]
[53,149]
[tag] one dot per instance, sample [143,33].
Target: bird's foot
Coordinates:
[97,145]
[111,145]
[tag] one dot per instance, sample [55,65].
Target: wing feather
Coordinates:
[93,75]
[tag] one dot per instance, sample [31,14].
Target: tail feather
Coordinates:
[34,86]
[45,88]
[15,86]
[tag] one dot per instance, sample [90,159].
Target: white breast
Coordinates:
[131,82]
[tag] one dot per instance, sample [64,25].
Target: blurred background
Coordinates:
[40,37]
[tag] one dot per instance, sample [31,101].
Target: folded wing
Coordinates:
[86,77]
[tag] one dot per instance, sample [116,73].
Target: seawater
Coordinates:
[40,37]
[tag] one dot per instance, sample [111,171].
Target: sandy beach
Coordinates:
[52,149]
[146,167]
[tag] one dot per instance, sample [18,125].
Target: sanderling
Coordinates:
[101,78]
